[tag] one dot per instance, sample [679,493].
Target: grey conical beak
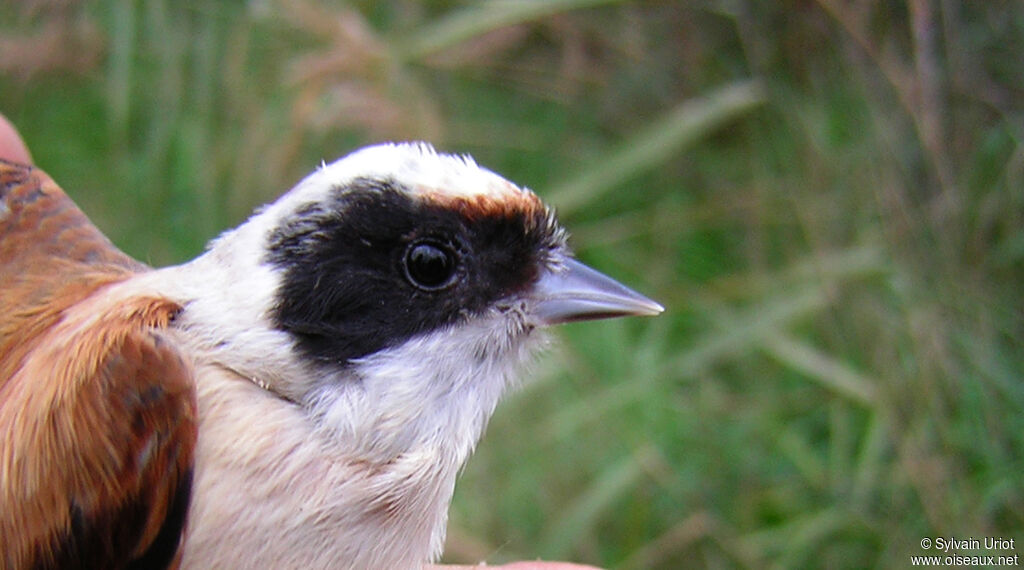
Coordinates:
[575,292]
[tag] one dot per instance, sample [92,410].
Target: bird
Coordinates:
[303,393]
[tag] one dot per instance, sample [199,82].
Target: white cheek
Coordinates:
[436,391]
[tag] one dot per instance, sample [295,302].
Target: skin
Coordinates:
[13,148]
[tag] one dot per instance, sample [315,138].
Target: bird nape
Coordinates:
[303,394]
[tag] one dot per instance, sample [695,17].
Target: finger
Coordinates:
[12,147]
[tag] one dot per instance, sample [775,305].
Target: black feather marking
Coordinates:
[104,539]
[92,541]
[165,546]
[345,294]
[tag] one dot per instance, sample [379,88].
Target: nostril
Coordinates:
[511,307]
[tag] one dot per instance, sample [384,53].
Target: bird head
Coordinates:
[395,294]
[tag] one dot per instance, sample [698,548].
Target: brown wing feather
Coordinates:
[97,406]
[40,225]
[51,257]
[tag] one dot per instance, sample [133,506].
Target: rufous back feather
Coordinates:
[97,407]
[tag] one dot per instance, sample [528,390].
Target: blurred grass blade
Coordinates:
[656,143]
[819,366]
[121,51]
[739,333]
[796,537]
[581,516]
[809,533]
[793,445]
[828,267]
[475,20]
[871,460]
[681,536]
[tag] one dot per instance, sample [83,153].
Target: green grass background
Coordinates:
[827,196]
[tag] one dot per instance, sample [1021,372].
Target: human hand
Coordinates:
[11,146]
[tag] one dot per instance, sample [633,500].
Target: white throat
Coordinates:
[433,393]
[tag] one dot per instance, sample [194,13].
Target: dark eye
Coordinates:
[430,265]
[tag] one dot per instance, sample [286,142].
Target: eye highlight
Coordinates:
[430,265]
